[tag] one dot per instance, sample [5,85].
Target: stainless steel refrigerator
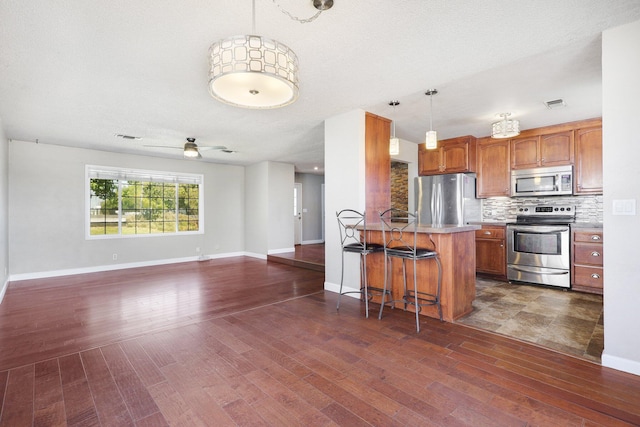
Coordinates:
[447,199]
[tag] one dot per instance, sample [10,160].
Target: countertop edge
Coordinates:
[444,229]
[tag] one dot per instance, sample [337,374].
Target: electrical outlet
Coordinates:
[198,250]
[115,257]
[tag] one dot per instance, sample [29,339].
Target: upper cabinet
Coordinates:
[588,161]
[542,150]
[452,156]
[494,176]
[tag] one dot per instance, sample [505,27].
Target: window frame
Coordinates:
[142,175]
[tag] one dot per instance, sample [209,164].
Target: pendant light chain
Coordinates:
[295,18]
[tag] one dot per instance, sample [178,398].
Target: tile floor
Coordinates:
[570,322]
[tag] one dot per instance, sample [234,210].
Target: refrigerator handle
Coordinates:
[440,203]
[433,204]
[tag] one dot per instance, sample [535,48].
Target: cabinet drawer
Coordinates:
[588,236]
[588,254]
[588,276]
[490,232]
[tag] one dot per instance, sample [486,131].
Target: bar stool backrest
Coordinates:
[353,225]
[399,231]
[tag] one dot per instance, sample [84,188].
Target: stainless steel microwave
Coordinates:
[546,181]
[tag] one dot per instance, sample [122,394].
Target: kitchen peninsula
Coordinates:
[456,248]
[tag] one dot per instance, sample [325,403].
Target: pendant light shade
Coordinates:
[394,143]
[251,71]
[505,128]
[431,138]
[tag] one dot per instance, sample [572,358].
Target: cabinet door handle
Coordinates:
[594,253]
[595,237]
[595,276]
[488,233]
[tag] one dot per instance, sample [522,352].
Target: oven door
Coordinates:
[544,246]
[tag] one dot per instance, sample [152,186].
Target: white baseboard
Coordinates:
[112,267]
[4,290]
[312,242]
[335,287]
[281,251]
[621,364]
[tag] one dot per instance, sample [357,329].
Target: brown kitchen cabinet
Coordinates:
[452,156]
[494,176]
[542,150]
[587,272]
[491,251]
[377,166]
[588,161]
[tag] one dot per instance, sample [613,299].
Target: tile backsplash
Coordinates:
[503,209]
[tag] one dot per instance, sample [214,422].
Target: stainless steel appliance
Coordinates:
[447,199]
[547,181]
[538,245]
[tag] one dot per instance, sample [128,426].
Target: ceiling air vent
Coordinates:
[135,138]
[556,103]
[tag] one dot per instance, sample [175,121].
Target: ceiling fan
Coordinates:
[191,149]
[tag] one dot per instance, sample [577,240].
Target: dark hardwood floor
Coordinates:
[241,341]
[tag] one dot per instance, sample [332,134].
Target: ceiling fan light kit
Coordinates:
[191,149]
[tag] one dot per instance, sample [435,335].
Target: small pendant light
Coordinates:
[394,143]
[431,140]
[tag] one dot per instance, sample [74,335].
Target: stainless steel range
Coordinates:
[538,245]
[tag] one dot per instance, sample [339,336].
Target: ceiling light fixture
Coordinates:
[252,71]
[394,143]
[431,140]
[505,128]
[191,149]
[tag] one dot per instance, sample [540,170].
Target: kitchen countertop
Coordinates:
[444,229]
[586,225]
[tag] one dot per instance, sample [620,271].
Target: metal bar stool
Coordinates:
[353,239]
[400,236]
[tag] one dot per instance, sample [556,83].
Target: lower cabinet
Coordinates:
[587,273]
[491,251]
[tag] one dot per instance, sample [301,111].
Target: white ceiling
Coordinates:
[77,72]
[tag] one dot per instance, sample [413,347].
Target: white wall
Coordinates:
[4,212]
[257,209]
[269,203]
[621,146]
[312,215]
[344,158]
[280,227]
[47,212]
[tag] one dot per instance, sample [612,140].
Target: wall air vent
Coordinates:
[556,103]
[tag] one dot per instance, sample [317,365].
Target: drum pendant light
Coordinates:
[252,71]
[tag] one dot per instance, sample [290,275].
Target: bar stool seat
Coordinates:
[353,239]
[400,236]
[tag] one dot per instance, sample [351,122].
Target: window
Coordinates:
[127,202]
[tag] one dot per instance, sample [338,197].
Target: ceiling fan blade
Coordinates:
[214,147]
[162,146]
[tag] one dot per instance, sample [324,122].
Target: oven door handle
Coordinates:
[537,271]
[539,228]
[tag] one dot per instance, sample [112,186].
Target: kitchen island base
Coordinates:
[456,249]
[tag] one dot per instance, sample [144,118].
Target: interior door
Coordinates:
[297,213]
